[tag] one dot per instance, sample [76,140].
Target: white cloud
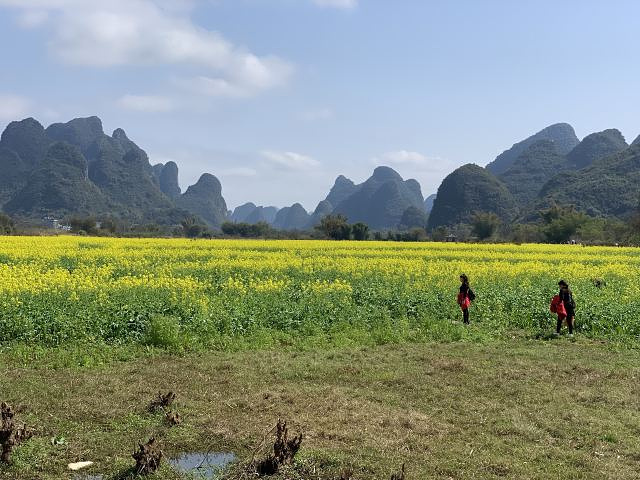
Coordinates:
[290,160]
[149,32]
[14,107]
[346,4]
[146,103]
[404,157]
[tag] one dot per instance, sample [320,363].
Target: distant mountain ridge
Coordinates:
[381,200]
[561,134]
[596,176]
[74,168]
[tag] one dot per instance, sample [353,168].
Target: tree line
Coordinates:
[557,224]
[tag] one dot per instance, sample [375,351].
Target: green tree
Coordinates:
[360,231]
[484,224]
[635,220]
[562,223]
[7,227]
[335,227]
[192,228]
[87,225]
[248,230]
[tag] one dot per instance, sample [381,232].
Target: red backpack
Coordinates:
[557,306]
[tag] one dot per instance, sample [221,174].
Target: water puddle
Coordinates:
[202,465]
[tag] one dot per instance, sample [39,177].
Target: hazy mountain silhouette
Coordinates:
[294,217]
[596,146]
[561,134]
[205,200]
[381,200]
[75,168]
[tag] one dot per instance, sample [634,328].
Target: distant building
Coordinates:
[56,224]
[451,238]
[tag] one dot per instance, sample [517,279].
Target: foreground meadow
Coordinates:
[357,344]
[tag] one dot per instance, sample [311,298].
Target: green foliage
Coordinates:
[163,332]
[484,224]
[415,234]
[7,227]
[525,233]
[562,223]
[360,231]
[248,230]
[335,227]
[83,224]
[439,234]
[192,227]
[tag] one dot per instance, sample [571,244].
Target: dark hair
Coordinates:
[562,283]
[464,278]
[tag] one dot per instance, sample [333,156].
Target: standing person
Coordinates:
[566,297]
[465,296]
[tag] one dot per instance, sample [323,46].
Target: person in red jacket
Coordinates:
[566,297]
[465,295]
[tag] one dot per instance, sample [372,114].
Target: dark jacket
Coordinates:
[567,299]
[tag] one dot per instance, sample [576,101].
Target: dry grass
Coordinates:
[529,409]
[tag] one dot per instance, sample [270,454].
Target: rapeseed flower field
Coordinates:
[59,290]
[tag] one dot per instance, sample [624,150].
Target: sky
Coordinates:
[279,97]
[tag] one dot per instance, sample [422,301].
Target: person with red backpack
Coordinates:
[564,306]
[465,297]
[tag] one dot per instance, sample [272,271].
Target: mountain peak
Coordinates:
[205,200]
[385,173]
[596,146]
[119,134]
[466,190]
[561,134]
[168,180]
[207,180]
[82,132]
[636,141]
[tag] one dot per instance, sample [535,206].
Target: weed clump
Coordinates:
[399,475]
[163,332]
[173,418]
[148,457]
[162,402]
[284,450]
[10,434]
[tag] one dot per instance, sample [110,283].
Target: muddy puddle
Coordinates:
[196,464]
[202,465]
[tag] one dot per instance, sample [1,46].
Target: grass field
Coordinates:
[523,409]
[357,344]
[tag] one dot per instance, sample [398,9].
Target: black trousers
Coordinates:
[465,316]
[570,316]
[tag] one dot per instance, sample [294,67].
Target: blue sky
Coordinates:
[278,97]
